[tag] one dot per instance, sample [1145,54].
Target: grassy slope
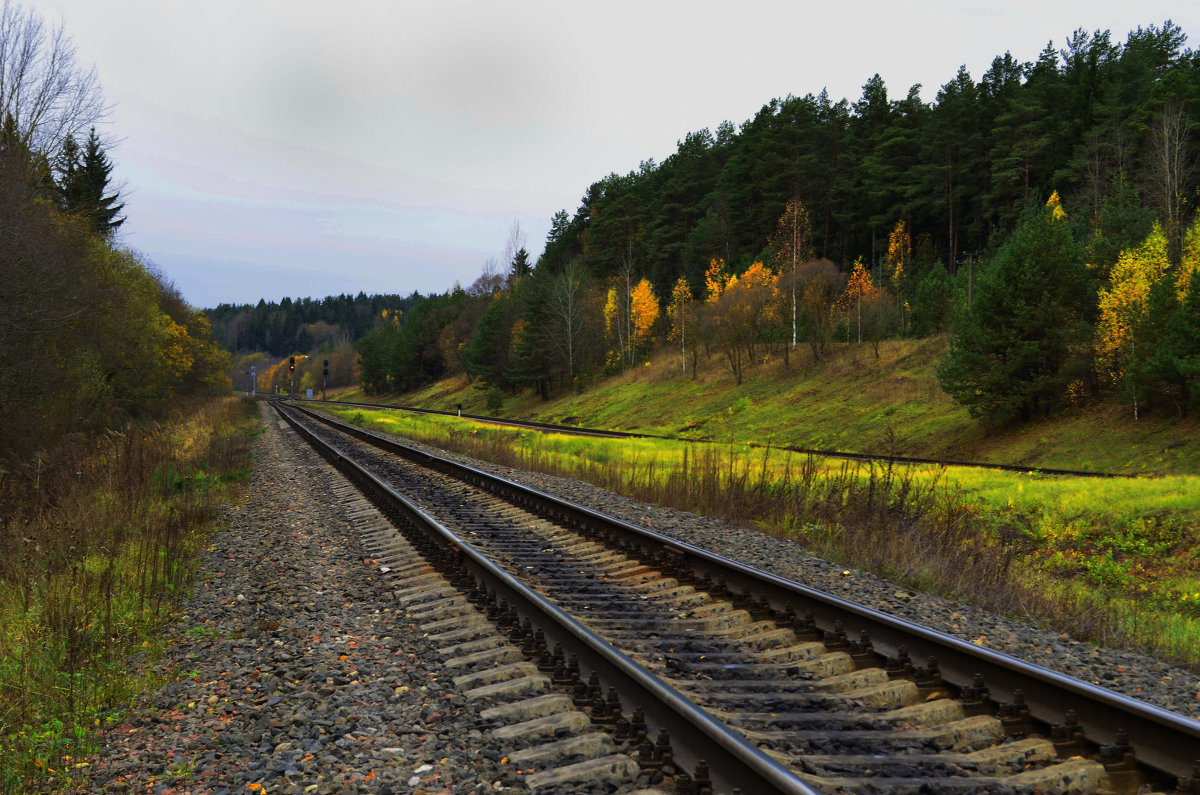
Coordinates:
[854,401]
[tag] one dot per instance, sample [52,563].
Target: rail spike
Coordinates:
[1119,756]
[1190,785]
[1068,737]
[974,696]
[701,778]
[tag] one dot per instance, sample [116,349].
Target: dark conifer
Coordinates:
[69,185]
[1009,349]
[91,185]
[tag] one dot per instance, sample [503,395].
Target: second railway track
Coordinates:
[816,694]
[839,454]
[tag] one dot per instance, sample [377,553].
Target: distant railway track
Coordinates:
[840,454]
[778,687]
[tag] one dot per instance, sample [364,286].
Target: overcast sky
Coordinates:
[271,148]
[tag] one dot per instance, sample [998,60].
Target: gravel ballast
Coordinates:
[293,670]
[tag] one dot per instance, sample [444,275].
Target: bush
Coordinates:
[494,400]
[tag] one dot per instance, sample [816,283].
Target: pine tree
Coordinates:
[951,166]
[932,302]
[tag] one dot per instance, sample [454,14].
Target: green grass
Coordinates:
[1111,502]
[853,402]
[110,529]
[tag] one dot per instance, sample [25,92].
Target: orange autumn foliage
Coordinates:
[716,278]
[644,308]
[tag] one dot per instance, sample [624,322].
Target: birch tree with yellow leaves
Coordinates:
[859,288]
[629,319]
[792,244]
[1123,309]
[898,264]
[644,311]
[682,314]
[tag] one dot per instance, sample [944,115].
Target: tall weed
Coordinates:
[97,539]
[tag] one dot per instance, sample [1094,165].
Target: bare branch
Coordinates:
[48,94]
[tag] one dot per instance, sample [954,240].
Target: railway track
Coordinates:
[714,676]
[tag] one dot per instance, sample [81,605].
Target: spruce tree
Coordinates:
[1008,350]
[69,185]
[28,165]
[1176,360]
[486,356]
[521,267]
[527,362]
[88,190]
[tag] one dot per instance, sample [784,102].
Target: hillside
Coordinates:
[854,402]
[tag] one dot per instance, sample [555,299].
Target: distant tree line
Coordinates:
[301,325]
[1006,212]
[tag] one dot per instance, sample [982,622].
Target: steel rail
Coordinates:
[842,454]
[1161,739]
[696,735]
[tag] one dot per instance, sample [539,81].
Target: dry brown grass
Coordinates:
[97,539]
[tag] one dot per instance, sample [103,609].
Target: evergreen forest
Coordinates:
[1040,215]
[288,326]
